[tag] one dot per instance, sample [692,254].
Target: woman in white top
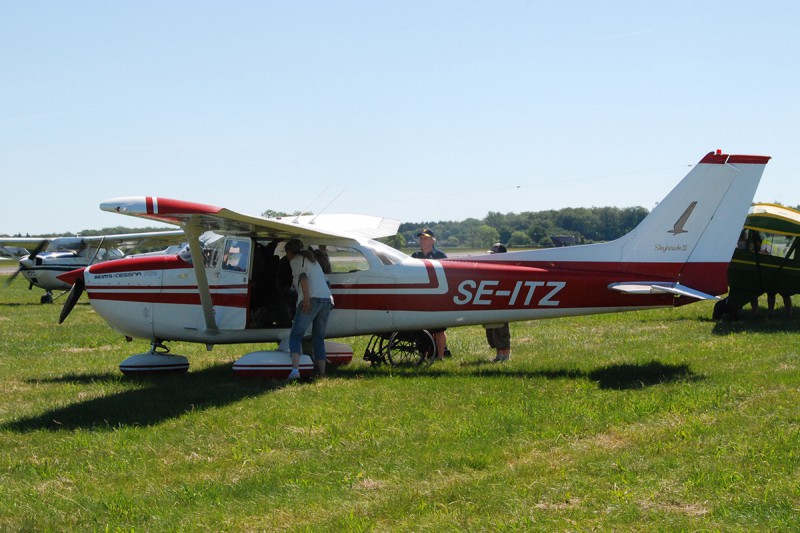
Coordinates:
[314,303]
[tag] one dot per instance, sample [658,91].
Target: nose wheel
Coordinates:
[47,298]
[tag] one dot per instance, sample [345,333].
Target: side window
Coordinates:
[346,260]
[237,255]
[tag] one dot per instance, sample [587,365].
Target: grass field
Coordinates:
[658,420]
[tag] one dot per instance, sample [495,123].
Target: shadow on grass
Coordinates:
[152,400]
[148,401]
[629,376]
[616,377]
[756,325]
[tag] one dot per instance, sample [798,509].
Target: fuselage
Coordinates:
[375,290]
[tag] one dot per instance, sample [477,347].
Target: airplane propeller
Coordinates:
[72,298]
[32,256]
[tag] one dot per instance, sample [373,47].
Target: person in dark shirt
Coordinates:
[427,246]
[428,250]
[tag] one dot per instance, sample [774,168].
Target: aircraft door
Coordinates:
[226,263]
[229,283]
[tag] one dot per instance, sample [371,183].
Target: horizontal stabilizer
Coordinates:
[660,287]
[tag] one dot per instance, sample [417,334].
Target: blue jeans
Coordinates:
[318,319]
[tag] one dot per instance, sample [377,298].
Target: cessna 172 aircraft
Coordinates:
[217,290]
[53,256]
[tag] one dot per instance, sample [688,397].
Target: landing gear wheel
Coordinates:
[46,298]
[410,348]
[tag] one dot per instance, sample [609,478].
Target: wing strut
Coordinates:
[193,234]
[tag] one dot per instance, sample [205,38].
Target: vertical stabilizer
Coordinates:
[700,220]
[688,238]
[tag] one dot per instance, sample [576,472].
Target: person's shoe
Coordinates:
[293,375]
[500,358]
[447,353]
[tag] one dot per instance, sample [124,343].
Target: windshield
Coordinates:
[76,245]
[210,242]
[387,254]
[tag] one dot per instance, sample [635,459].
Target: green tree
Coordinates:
[520,239]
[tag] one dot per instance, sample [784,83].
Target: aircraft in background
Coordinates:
[52,256]
[221,288]
[766,260]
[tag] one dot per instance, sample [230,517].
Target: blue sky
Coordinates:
[435,110]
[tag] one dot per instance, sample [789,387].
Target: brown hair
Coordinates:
[296,247]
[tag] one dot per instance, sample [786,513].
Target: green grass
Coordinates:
[658,420]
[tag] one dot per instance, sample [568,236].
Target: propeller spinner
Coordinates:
[32,257]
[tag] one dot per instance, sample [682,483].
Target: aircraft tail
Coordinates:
[699,222]
[685,244]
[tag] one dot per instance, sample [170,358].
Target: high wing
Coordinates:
[121,240]
[8,244]
[211,218]
[129,240]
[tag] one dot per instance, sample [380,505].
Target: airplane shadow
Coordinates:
[160,398]
[614,377]
[152,401]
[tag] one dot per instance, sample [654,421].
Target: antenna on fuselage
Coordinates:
[326,207]
[297,217]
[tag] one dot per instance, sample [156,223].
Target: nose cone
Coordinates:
[26,262]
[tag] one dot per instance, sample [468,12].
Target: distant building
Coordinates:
[563,240]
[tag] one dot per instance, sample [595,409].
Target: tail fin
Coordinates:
[688,238]
[700,220]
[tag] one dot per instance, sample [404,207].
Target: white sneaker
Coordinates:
[293,375]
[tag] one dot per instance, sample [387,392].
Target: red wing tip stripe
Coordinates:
[169,206]
[715,158]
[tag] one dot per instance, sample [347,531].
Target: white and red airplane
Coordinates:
[219,289]
[53,256]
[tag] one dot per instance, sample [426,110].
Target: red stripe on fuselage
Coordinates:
[130,264]
[185,298]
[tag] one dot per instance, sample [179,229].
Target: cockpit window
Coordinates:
[76,245]
[211,243]
[344,259]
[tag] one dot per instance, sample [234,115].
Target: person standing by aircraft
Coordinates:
[499,337]
[313,308]
[428,250]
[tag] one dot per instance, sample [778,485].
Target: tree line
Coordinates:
[554,227]
[571,225]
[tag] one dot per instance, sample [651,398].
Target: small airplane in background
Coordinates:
[218,289]
[766,260]
[52,256]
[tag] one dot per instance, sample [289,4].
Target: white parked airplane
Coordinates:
[53,256]
[678,254]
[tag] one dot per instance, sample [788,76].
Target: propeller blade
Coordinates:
[13,276]
[39,247]
[32,256]
[72,298]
